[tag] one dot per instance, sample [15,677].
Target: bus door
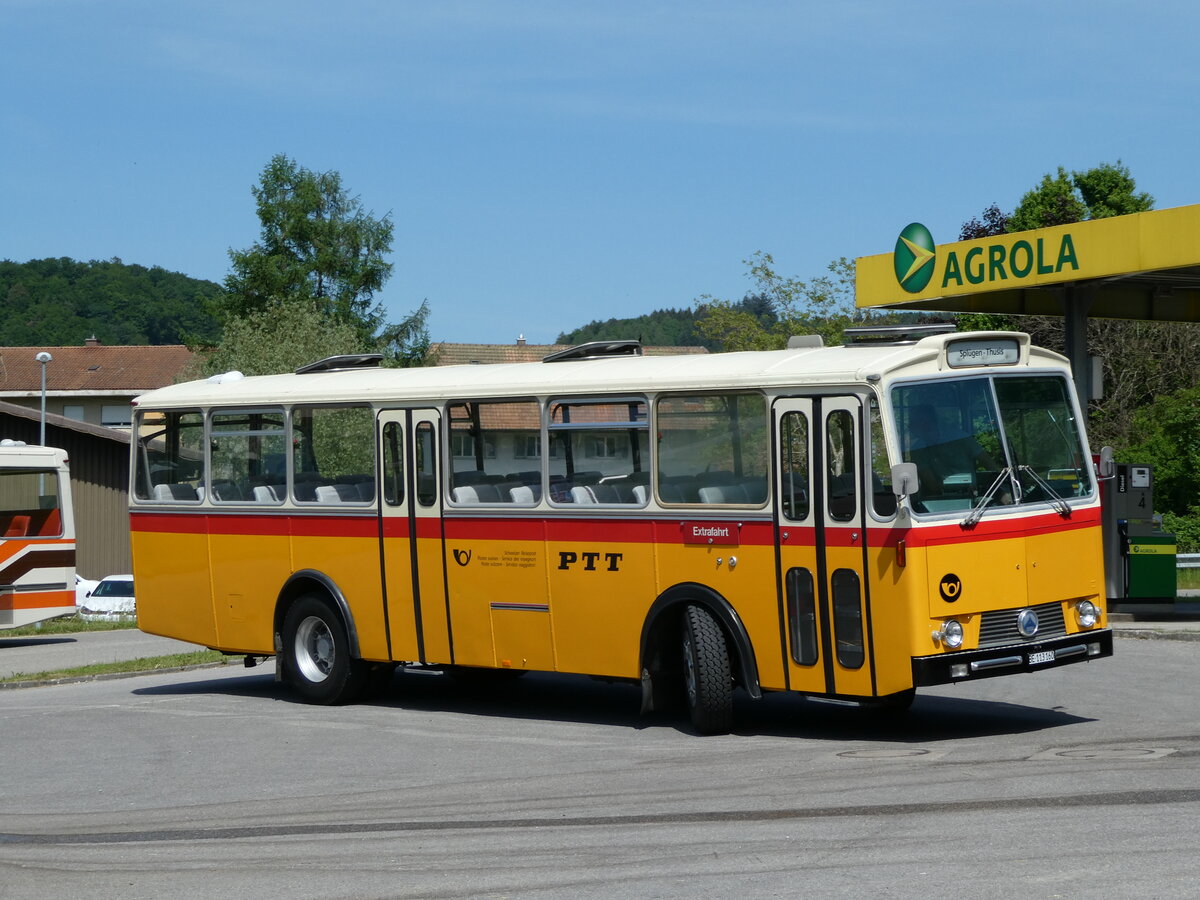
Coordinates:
[821,536]
[411,536]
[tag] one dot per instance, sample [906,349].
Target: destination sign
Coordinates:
[990,352]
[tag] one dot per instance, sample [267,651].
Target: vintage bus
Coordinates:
[845,522]
[37,535]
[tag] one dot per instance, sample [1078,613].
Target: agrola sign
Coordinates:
[917,263]
[1120,260]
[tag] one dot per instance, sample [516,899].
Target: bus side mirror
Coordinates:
[1108,465]
[904,479]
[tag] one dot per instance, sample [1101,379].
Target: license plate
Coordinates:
[1042,656]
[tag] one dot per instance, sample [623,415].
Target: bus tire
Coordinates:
[316,653]
[706,672]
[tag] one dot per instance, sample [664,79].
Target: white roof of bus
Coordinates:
[20,455]
[626,374]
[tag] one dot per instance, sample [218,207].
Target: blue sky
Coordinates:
[551,163]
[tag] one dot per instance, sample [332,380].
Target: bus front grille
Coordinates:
[999,627]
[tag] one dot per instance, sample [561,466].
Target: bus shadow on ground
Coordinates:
[552,697]
[31,641]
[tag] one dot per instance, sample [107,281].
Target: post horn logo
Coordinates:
[462,557]
[950,587]
[914,257]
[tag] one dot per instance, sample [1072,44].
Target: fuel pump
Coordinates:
[1139,556]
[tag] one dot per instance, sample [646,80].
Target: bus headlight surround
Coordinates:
[1087,613]
[950,634]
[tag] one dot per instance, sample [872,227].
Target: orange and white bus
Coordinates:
[845,522]
[37,535]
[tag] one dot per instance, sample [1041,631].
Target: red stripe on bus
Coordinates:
[629,530]
[262,525]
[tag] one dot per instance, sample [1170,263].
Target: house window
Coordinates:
[527,446]
[75,413]
[116,416]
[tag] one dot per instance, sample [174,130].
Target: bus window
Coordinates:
[600,451]
[712,449]
[841,461]
[951,431]
[496,454]
[393,464]
[847,618]
[29,504]
[426,465]
[881,472]
[170,456]
[793,464]
[333,454]
[802,616]
[246,452]
[1040,427]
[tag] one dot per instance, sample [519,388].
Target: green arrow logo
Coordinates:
[913,258]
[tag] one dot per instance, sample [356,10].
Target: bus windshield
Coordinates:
[991,441]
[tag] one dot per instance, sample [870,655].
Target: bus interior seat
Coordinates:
[337,493]
[175,490]
[724,493]
[228,491]
[601,493]
[269,493]
[523,494]
[474,494]
[18,526]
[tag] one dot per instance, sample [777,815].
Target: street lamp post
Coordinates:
[43,358]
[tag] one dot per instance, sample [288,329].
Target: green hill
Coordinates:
[661,328]
[62,302]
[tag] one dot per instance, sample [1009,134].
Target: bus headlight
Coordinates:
[950,634]
[1087,613]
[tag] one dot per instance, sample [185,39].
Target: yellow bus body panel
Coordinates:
[174,586]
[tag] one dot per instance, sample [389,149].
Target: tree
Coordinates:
[1109,190]
[1097,193]
[1053,202]
[994,223]
[319,248]
[784,307]
[280,337]
[62,302]
[1168,437]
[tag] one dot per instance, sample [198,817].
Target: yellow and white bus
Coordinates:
[37,535]
[844,522]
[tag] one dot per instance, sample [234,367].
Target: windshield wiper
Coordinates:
[1059,504]
[977,513]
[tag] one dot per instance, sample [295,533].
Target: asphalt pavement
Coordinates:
[32,654]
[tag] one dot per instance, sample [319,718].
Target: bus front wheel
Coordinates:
[316,653]
[706,672]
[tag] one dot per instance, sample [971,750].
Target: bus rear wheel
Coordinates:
[316,653]
[706,672]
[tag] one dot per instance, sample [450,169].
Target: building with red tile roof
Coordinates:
[92,383]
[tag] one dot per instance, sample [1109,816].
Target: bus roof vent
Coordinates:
[895,334]
[805,341]
[596,350]
[346,361]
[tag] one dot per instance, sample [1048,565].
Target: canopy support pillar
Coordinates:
[1077,300]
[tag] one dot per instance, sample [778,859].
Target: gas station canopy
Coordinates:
[1143,266]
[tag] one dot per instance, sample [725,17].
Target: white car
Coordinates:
[111,598]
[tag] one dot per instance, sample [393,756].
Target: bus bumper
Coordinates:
[970,665]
